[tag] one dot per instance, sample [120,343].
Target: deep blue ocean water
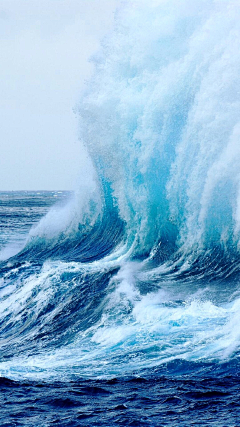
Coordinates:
[120,303]
[48,374]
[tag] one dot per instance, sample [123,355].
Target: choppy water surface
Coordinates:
[113,341]
[120,303]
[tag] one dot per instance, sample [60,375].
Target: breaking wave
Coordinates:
[141,267]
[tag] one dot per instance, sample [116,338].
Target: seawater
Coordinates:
[84,345]
[120,302]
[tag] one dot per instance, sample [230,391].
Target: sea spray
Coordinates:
[142,269]
[160,118]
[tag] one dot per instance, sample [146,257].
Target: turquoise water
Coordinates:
[134,279]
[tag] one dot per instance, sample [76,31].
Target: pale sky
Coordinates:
[45,46]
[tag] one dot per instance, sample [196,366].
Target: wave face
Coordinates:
[161,121]
[141,267]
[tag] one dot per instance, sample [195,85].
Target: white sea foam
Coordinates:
[160,119]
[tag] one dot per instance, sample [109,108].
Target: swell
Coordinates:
[141,267]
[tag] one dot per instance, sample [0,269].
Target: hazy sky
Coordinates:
[44,50]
